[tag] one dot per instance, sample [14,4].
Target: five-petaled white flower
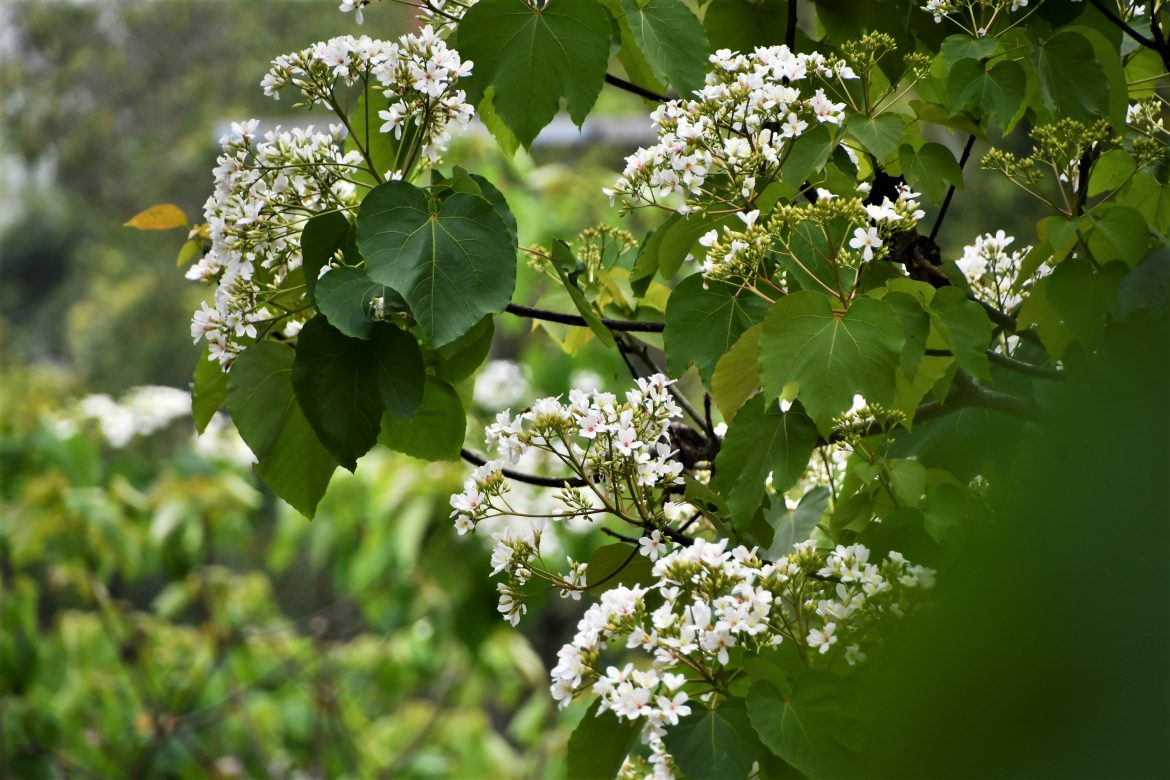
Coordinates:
[867,240]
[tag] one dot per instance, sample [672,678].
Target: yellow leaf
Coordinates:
[162,216]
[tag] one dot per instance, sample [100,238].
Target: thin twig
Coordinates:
[624,326]
[946,204]
[529,479]
[633,88]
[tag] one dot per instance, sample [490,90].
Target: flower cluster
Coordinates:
[621,448]
[735,253]
[736,133]
[713,601]
[264,193]
[994,273]
[417,75]
[976,17]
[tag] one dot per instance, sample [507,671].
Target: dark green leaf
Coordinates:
[810,727]
[1072,82]
[345,296]
[1119,233]
[965,326]
[928,167]
[321,237]
[1147,287]
[742,25]
[762,439]
[453,264]
[459,359]
[713,744]
[672,39]
[958,47]
[600,744]
[535,57]
[997,92]
[436,430]
[345,384]
[291,460]
[807,155]
[703,320]
[830,355]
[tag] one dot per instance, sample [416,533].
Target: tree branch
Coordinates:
[946,204]
[519,476]
[1121,23]
[624,326]
[790,32]
[633,88]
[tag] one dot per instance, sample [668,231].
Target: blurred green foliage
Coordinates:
[161,616]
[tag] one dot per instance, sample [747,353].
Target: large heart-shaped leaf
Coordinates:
[809,726]
[760,440]
[291,460]
[534,56]
[344,384]
[453,263]
[703,320]
[435,431]
[672,39]
[600,744]
[714,744]
[830,355]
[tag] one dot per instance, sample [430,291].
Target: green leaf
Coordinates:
[1106,55]
[672,39]
[669,245]
[208,390]
[486,111]
[965,326]
[1072,82]
[436,430]
[713,744]
[760,440]
[742,25]
[345,296]
[807,727]
[830,355]
[1111,171]
[927,168]
[191,248]
[1119,233]
[1147,288]
[958,47]
[459,359]
[345,384]
[618,564]
[290,458]
[534,57]
[453,264]
[807,155]
[880,135]
[793,526]
[737,374]
[997,92]
[321,237]
[563,258]
[703,320]
[915,321]
[600,744]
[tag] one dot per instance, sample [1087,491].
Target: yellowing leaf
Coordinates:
[162,216]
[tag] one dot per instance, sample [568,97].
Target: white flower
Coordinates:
[867,240]
[651,546]
[822,639]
